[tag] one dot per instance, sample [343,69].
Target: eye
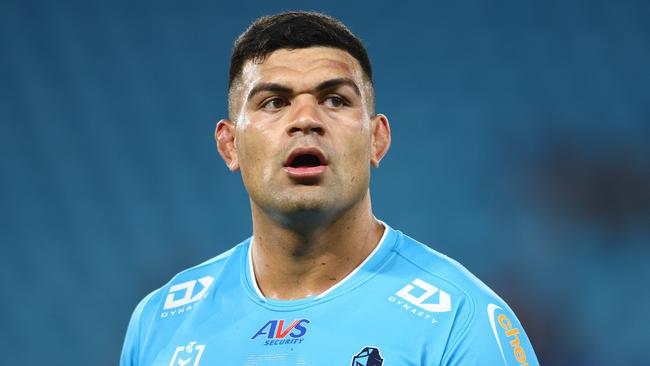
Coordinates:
[274,104]
[335,101]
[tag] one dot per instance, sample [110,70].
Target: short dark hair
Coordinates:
[294,30]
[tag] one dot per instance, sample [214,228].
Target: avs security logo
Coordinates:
[183,355]
[422,299]
[275,333]
[181,296]
[369,356]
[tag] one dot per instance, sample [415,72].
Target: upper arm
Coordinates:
[131,348]
[493,336]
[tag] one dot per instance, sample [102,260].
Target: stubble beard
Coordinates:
[307,209]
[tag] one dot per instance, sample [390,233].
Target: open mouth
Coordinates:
[305,163]
[305,157]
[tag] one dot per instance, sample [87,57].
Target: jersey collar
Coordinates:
[360,274]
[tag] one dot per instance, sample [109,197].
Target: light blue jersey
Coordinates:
[404,305]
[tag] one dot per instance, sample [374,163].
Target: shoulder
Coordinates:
[450,276]
[479,325]
[193,281]
[179,294]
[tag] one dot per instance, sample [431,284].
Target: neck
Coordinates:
[305,259]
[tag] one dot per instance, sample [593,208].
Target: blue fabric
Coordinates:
[406,305]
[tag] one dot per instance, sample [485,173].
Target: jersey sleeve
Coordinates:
[131,347]
[492,336]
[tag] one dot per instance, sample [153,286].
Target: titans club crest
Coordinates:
[369,356]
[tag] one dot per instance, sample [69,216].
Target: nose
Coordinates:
[306,117]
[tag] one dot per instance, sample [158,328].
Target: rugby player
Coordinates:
[321,281]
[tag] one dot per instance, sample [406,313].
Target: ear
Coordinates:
[224,134]
[380,138]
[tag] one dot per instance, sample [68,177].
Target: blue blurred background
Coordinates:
[521,147]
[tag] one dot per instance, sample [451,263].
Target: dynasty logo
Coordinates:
[419,299]
[182,296]
[275,332]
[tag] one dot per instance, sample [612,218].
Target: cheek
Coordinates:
[358,139]
[356,149]
[256,152]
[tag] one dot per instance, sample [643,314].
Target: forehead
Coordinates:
[302,65]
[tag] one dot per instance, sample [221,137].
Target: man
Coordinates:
[321,281]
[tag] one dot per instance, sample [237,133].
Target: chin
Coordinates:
[307,203]
[303,205]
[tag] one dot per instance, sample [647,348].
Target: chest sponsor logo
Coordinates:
[279,332]
[369,356]
[511,332]
[422,299]
[181,296]
[189,355]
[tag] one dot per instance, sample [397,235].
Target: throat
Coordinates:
[294,277]
[291,272]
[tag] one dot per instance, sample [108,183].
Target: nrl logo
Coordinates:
[183,355]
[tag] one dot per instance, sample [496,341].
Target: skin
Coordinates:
[308,233]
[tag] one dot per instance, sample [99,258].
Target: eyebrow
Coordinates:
[325,85]
[270,87]
[333,83]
